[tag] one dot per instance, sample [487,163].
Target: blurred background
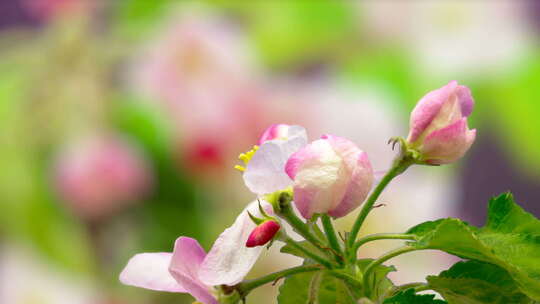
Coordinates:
[121,122]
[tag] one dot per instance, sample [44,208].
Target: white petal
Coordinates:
[229,260]
[265,172]
[150,271]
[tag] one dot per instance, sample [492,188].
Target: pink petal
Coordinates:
[150,271]
[197,290]
[187,257]
[273,132]
[359,186]
[427,108]
[465,99]
[448,144]
[186,260]
[265,172]
[229,260]
[314,168]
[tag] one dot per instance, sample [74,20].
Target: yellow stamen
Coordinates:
[245,158]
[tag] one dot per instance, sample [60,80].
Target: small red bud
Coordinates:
[263,233]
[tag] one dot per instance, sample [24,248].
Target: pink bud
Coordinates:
[100,175]
[438,126]
[331,175]
[263,233]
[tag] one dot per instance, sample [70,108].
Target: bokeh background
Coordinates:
[121,121]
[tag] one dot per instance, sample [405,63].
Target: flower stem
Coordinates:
[245,287]
[404,287]
[332,237]
[298,225]
[385,257]
[399,166]
[305,251]
[382,236]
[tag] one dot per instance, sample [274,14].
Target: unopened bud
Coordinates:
[263,233]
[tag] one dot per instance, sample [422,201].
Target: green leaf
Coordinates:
[378,281]
[477,283]
[299,289]
[510,239]
[409,297]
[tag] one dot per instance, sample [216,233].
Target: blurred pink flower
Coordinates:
[200,71]
[196,58]
[98,175]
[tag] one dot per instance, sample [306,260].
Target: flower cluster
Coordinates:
[326,178]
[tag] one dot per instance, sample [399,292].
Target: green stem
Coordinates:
[307,252]
[245,287]
[422,288]
[382,236]
[299,226]
[404,287]
[399,166]
[350,280]
[385,257]
[332,237]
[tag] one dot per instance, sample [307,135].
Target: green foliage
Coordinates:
[318,287]
[286,31]
[29,212]
[379,284]
[510,240]
[134,17]
[409,297]
[477,283]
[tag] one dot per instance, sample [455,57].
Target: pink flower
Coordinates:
[263,233]
[265,171]
[438,126]
[190,270]
[331,175]
[99,175]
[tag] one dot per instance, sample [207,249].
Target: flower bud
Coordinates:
[331,175]
[438,126]
[263,233]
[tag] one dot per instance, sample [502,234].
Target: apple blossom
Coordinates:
[189,269]
[438,125]
[265,167]
[331,175]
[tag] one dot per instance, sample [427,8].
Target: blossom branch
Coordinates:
[399,166]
